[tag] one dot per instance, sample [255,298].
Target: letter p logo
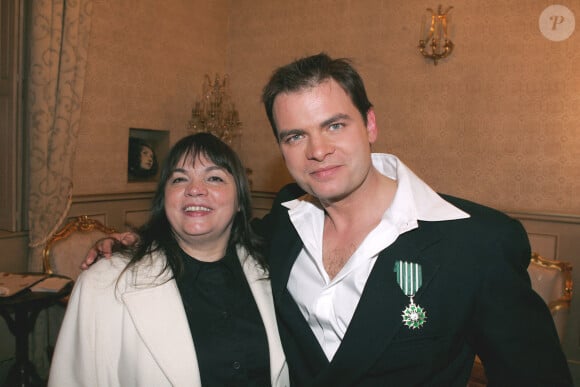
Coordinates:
[556,20]
[557,23]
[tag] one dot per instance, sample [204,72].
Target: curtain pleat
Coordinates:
[58,53]
[58,43]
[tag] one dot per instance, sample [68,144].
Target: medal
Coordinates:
[409,278]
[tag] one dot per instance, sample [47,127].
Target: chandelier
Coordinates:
[215,113]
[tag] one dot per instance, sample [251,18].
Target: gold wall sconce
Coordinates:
[436,44]
[215,113]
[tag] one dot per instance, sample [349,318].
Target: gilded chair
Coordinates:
[65,250]
[552,280]
[63,255]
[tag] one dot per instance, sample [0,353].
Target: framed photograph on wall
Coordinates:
[146,150]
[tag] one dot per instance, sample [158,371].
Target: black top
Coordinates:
[226,327]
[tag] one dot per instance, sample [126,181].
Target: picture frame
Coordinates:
[146,150]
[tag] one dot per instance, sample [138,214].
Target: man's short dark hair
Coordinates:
[309,72]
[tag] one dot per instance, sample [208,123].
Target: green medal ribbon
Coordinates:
[410,279]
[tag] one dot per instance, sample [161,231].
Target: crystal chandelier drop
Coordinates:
[215,113]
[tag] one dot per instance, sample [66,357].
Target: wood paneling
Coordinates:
[558,235]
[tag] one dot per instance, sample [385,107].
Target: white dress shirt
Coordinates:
[328,305]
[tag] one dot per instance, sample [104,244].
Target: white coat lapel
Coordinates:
[262,292]
[160,319]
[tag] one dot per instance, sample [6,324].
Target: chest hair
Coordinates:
[334,258]
[337,248]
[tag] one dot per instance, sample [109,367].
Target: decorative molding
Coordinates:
[113,197]
[545,217]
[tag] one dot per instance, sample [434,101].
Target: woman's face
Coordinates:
[146,158]
[200,203]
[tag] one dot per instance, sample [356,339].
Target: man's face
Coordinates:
[324,140]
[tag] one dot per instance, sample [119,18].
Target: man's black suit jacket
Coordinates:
[476,292]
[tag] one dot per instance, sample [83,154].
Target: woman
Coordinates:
[142,159]
[190,304]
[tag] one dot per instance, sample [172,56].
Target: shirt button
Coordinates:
[236,365]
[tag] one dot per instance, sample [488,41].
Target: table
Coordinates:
[20,312]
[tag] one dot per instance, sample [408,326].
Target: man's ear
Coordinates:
[372,131]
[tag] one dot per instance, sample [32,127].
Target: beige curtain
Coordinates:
[58,41]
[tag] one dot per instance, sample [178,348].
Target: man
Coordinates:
[339,245]
[377,279]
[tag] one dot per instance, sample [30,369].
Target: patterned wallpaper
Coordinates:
[498,122]
[145,70]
